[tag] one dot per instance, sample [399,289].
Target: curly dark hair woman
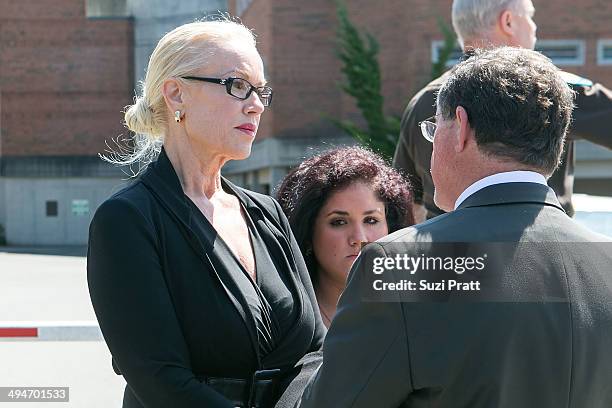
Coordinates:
[335,202]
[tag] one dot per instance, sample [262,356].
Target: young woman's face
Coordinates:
[349,217]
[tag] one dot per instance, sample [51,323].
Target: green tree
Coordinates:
[450,42]
[362,80]
[360,67]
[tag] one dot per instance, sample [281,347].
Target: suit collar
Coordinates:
[512,193]
[519,176]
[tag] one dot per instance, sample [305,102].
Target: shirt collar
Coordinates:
[500,178]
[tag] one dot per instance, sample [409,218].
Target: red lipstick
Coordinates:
[247,128]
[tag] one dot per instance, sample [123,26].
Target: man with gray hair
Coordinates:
[529,329]
[486,24]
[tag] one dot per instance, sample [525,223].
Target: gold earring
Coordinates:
[177,116]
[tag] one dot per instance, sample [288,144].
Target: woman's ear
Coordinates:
[172,90]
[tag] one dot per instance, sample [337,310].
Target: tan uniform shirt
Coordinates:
[591,120]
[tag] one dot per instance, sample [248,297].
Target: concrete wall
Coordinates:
[593,169]
[594,161]
[154,18]
[2,210]
[271,159]
[106,8]
[25,198]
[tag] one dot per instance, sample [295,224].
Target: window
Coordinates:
[562,52]
[604,52]
[436,48]
[51,208]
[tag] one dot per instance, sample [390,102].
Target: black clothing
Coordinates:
[174,303]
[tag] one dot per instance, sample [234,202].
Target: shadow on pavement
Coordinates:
[73,250]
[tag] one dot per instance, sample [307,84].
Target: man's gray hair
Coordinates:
[475,18]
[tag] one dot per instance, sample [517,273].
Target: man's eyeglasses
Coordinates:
[428,128]
[239,88]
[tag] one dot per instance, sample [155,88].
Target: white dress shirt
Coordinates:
[500,178]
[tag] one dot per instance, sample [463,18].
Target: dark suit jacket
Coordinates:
[546,345]
[590,121]
[167,304]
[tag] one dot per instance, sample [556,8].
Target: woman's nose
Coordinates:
[358,237]
[254,104]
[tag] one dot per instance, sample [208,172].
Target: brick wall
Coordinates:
[302,67]
[261,18]
[64,79]
[298,40]
[587,20]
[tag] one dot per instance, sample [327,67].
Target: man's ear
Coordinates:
[465,132]
[505,23]
[172,90]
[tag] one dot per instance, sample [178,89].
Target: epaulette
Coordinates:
[575,80]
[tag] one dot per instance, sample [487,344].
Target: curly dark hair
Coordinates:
[307,187]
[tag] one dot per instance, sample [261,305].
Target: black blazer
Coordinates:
[167,305]
[544,343]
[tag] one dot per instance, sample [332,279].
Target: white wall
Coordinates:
[25,202]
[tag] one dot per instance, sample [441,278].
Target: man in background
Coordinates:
[487,24]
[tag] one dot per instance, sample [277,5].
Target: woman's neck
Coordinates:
[328,291]
[199,174]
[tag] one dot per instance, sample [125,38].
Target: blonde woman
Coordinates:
[199,287]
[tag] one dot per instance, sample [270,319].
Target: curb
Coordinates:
[50,331]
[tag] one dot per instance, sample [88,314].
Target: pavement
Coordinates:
[63,250]
[84,367]
[46,289]
[43,287]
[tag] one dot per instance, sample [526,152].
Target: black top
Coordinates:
[175,305]
[269,299]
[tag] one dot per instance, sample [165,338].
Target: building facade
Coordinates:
[68,69]
[298,43]
[63,79]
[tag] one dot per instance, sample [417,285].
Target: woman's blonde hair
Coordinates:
[180,52]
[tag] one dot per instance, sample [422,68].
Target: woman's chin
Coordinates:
[240,152]
[242,155]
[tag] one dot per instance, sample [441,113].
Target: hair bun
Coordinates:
[140,118]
